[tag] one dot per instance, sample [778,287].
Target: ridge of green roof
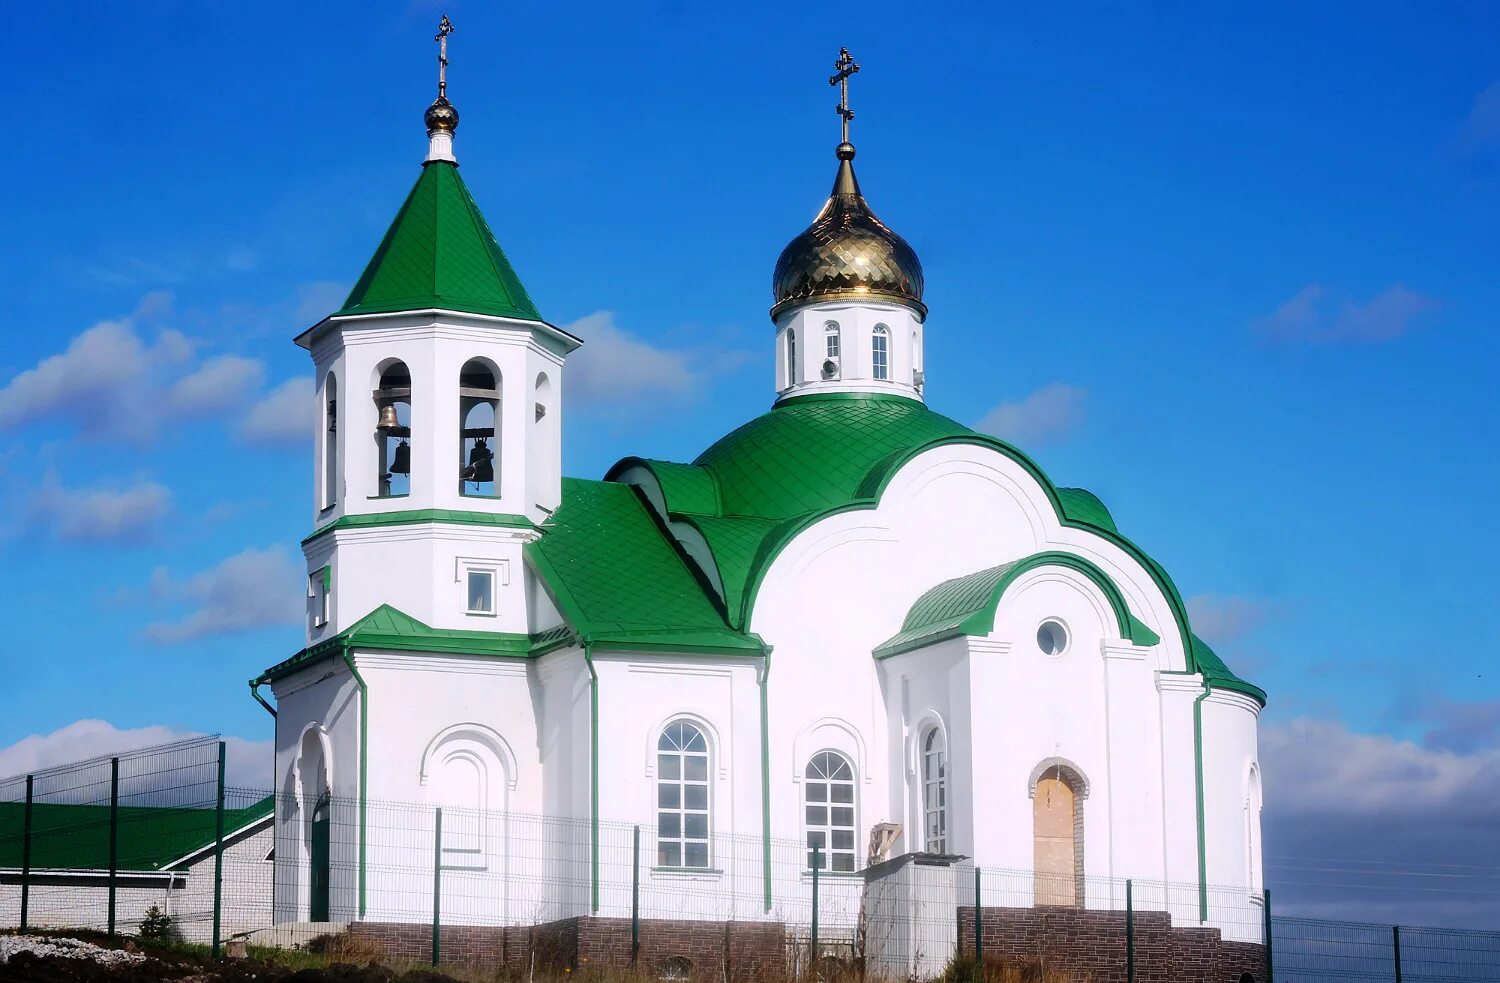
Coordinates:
[439,252]
[69,836]
[619,580]
[1082,505]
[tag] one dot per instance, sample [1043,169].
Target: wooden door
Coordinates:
[1054,821]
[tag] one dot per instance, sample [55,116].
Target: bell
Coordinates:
[481,469]
[401,463]
[388,420]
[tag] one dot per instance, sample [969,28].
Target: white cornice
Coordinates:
[1178,682]
[1119,649]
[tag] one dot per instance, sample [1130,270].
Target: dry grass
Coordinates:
[1001,970]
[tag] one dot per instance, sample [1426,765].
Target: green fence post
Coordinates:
[218,856]
[1129,931]
[635,895]
[817,862]
[26,856]
[1266,908]
[437,882]
[978,928]
[114,835]
[1396,944]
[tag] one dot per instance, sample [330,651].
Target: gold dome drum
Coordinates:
[847,253]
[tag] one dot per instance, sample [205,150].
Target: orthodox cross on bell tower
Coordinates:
[445,28]
[845,67]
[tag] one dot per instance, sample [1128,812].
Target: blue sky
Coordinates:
[1234,272]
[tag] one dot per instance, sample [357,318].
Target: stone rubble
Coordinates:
[10,945]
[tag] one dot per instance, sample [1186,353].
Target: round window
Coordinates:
[1052,638]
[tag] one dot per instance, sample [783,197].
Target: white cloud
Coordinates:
[615,366]
[1311,315]
[104,515]
[286,413]
[256,588]
[220,383]
[247,764]
[1225,618]
[1369,826]
[1048,413]
[111,381]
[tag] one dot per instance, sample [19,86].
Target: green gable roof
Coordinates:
[76,837]
[440,252]
[618,579]
[966,605]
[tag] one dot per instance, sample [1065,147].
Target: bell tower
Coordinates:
[439,390]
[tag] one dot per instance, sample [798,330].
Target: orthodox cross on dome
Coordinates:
[445,28]
[845,67]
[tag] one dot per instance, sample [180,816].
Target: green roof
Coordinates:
[76,837]
[966,605]
[619,580]
[811,456]
[392,629]
[440,252]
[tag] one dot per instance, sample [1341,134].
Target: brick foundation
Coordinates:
[1091,944]
[717,950]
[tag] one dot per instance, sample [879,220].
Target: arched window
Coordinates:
[791,357]
[880,352]
[682,796]
[1252,832]
[393,431]
[479,425]
[831,350]
[934,792]
[1057,830]
[828,810]
[330,441]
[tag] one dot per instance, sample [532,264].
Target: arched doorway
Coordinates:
[1057,825]
[317,868]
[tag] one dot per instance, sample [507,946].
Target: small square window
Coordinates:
[481,592]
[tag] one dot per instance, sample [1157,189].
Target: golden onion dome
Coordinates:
[441,116]
[847,253]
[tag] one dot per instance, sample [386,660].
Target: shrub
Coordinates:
[157,927]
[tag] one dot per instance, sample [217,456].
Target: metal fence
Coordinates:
[99,844]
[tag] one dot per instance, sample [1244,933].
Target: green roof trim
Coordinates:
[1082,505]
[966,605]
[390,628]
[815,456]
[416,516]
[439,252]
[619,581]
[151,838]
[1219,676]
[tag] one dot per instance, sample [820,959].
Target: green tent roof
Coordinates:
[76,837]
[440,252]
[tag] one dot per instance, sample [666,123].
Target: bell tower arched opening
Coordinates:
[393,431]
[479,428]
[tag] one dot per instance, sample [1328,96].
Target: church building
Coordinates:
[850,630]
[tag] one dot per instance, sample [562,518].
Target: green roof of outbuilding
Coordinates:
[76,837]
[618,579]
[440,252]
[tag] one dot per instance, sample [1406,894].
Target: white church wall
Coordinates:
[1177,692]
[856,324]
[639,695]
[317,732]
[565,746]
[926,688]
[1231,813]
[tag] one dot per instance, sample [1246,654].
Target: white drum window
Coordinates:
[682,797]
[935,792]
[880,352]
[828,810]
